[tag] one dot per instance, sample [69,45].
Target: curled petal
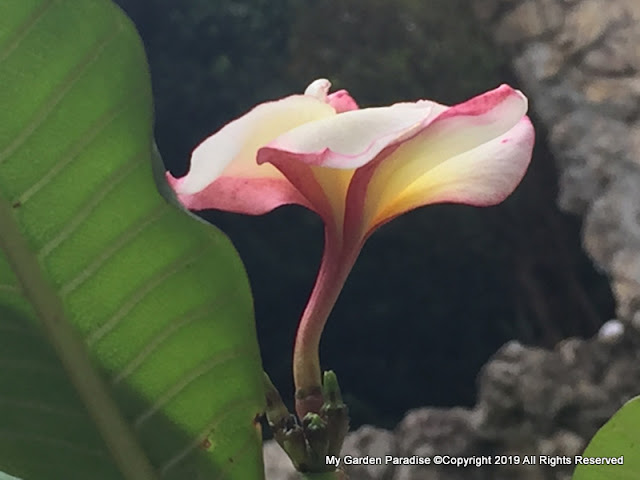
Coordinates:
[342,101]
[225,163]
[481,147]
[354,138]
[319,89]
[483,176]
[324,189]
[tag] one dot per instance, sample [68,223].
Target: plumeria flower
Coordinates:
[357,169]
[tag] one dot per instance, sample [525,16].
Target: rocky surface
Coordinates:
[579,63]
[531,402]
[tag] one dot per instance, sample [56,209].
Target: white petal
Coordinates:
[232,150]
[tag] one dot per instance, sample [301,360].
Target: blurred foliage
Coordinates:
[436,291]
[388,51]
[210,61]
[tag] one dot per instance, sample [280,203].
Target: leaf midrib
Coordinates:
[120,440]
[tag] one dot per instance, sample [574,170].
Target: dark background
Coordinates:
[435,292]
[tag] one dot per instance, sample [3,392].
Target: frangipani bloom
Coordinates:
[357,169]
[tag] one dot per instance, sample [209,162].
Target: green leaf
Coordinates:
[4,476]
[127,339]
[619,437]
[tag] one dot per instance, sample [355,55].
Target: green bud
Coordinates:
[335,413]
[315,430]
[331,391]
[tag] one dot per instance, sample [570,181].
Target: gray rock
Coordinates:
[277,465]
[373,442]
[579,63]
[532,402]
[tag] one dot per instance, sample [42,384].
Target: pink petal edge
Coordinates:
[254,196]
[401,123]
[487,183]
[342,101]
[507,167]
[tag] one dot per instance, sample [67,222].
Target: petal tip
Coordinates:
[318,88]
[342,101]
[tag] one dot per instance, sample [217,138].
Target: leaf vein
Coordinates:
[237,454]
[187,379]
[89,206]
[23,31]
[60,93]
[125,237]
[217,419]
[138,296]
[165,334]
[75,150]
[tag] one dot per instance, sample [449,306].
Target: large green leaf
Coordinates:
[127,343]
[619,437]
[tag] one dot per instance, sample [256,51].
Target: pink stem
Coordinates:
[334,270]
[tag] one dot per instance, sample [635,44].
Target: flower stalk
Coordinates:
[335,266]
